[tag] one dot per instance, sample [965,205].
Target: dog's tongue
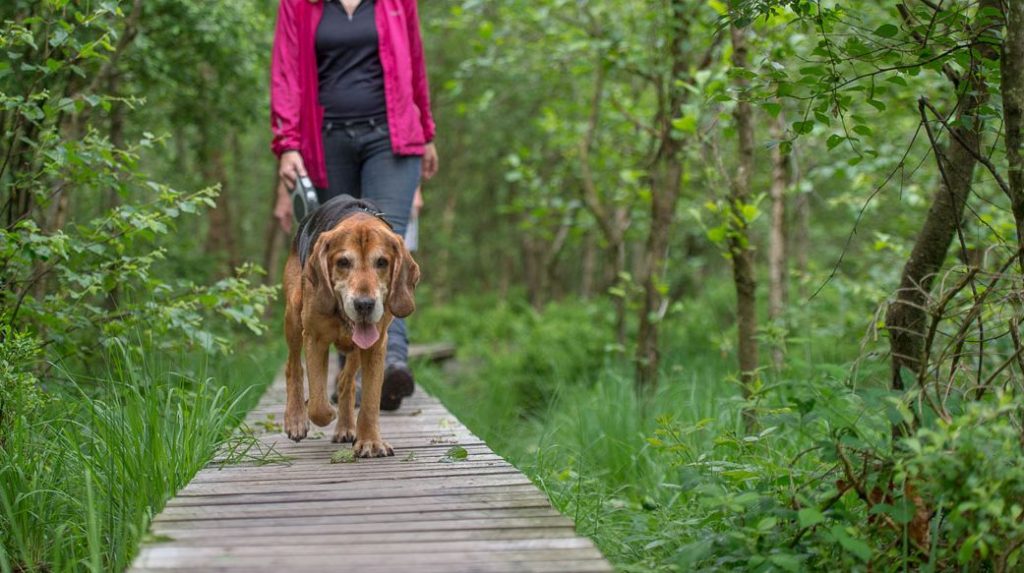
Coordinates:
[365,335]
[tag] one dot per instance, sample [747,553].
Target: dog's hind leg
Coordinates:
[317,349]
[296,425]
[345,429]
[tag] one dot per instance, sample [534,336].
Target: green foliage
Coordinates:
[20,394]
[675,483]
[105,409]
[81,479]
[970,470]
[84,284]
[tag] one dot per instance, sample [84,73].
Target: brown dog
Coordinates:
[356,277]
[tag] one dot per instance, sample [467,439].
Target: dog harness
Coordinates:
[327,217]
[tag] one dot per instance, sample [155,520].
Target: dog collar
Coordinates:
[378,214]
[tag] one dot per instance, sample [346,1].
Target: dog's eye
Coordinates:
[382,263]
[344,263]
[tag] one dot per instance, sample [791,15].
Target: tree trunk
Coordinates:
[532,252]
[220,238]
[442,268]
[588,266]
[740,249]
[116,133]
[664,196]
[275,243]
[802,231]
[665,190]
[906,317]
[777,263]
[1012,62]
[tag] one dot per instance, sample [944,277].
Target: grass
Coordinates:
[661,484]
[81,479]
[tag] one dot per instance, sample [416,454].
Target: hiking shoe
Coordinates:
[398,383]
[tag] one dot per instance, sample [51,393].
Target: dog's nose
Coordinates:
[364,305]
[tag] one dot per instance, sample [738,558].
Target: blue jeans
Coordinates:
[360,163]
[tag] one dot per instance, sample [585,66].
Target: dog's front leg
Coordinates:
[368,441]
[296,425]
[317,350]
[345,430]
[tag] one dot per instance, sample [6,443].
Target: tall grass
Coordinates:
[81,480]
[656,481]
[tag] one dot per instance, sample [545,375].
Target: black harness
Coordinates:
[327,217]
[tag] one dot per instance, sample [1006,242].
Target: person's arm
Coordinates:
[283,207]
[286,94]
[420,86]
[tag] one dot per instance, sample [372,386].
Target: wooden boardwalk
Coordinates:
[415,511]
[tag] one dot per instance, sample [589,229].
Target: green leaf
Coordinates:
[685,124]
[863,130]
[455,454]
[772,108]
[852,544]
[786,561]
[887,30]
[809,517]
[343,457]
[767,524]
[803,127]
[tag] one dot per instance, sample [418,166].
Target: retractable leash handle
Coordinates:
[304,199]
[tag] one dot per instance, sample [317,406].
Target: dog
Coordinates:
[347,276]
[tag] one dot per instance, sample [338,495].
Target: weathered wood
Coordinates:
[560,566]
[293,555]
[319,535]
[282,506]
[223,523]
[434,352]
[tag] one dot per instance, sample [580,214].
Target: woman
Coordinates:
[350,107]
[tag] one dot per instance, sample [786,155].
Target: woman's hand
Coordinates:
[417,202]
[283,208]
[290,168]
[429,168]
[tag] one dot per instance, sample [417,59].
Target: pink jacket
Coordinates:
[295,113]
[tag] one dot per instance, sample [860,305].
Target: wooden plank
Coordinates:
[344,508]
[451,522]
[321,535]
[410,512]
[435,352]
[287,557]
[467,477]
[290,547]
[344,494]
[557,566]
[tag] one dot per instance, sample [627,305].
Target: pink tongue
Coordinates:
[365,335]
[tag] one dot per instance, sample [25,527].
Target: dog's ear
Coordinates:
[405,275]
[322,255]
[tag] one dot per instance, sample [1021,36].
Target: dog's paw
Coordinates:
[296,426]
[344,436]
[372,449]
[321,415]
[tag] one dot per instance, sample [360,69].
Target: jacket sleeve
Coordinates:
[420,87]
[285,91]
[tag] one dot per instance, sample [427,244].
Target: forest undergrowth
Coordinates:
[673,482]
[99,456]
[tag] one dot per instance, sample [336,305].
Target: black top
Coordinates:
[348,63]
[326,218]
